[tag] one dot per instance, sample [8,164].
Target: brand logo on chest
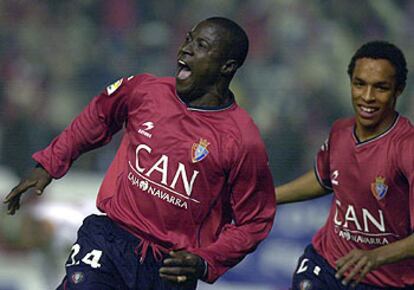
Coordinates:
[147,126]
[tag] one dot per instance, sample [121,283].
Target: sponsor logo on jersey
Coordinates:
[147,127]
[379,188]
[360,225]
[77,277]
[199,150]
[113,87]
[162,178]
[305,285]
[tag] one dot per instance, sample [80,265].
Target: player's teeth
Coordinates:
[368,110]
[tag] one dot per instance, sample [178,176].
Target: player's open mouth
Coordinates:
[367,112]
[183,70]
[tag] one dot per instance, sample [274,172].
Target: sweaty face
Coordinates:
[374,93]
[199,61]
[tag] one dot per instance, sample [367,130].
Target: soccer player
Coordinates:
[367,162]
[189,192]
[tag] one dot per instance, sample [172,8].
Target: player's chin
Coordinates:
[368,124]
[185,91]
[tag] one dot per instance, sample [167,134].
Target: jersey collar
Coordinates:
[373,139]
[208,109]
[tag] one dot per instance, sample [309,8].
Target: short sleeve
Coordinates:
[322,166]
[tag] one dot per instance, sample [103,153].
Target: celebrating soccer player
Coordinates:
[367,163]
[189,192]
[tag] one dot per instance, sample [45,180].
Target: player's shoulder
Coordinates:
[243,120]
[128,83]
[148,79]
[343,124]
[405,124]
[248,131]
[404,130]
[138,85]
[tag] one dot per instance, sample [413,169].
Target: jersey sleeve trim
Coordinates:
[318,177]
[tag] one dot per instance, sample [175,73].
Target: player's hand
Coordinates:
[38,179]
[356,264]
[182,267]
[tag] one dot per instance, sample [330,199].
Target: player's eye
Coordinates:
[358,84]
[382,88]
[188,38]
[202,44]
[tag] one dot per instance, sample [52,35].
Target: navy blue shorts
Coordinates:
[314,273]
[104,257]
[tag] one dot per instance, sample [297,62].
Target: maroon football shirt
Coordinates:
[373,202]
[183,177]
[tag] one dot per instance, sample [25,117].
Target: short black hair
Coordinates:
[239,39]
[379,49]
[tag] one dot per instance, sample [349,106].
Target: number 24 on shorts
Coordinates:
[92,258]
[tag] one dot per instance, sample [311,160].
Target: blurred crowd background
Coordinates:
[56,55]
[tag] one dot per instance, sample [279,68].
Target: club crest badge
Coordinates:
[305,285]
[112,88]
[379,188]
[199,150]
[77,277]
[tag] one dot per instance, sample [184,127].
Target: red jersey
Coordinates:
[183,178]
[373,204]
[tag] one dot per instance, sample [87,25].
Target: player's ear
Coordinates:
[230,67]
[399,90]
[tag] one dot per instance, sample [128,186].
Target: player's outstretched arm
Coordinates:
[302,188]
[357,263]
[38,179]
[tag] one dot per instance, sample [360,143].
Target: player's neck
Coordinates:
[364,133]
[213,99]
